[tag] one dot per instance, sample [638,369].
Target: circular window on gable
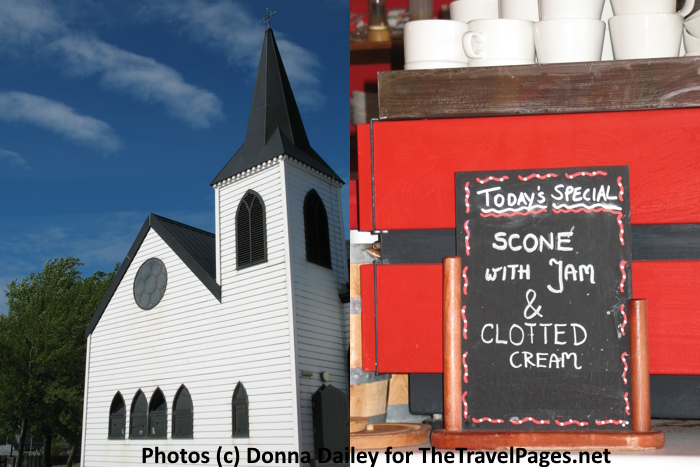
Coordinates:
[150,283]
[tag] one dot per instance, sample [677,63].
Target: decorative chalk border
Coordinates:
[466,196]
[586,174]
[622,190]
[570,422]
[487,419]
[537,176]
[466,369]
[464,322]
[623,263]
[530,419]
[612,422]
[624,319]
[492,179]
[511,212]
[466,238]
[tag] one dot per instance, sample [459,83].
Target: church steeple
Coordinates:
[274,126]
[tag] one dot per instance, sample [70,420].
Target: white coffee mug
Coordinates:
[433,65]
[527,10]
[569,40]
[490,39]
[692,43]
[630,7]
[692,24]
[483,62]
[570,9]
[651,35]
[469,10]
[434,40]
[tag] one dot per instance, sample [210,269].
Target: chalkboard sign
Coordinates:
[546,280]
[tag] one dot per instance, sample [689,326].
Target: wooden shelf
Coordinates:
[378,52]
[624,85]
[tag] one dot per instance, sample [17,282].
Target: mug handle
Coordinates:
[467,44]
[687,7]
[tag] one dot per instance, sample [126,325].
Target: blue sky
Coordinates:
[110,110]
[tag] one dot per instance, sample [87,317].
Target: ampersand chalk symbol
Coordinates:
[530,301]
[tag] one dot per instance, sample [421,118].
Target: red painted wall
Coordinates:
[414,168]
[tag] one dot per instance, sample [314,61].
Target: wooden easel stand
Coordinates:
[640,438]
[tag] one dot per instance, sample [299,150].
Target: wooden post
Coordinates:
[451,343]
[639,366]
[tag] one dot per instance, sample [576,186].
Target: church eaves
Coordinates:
[274,126]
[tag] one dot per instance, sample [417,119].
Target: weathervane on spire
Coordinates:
[267,17]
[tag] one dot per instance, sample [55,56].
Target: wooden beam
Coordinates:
[610,86]
[639,366]
[452,342]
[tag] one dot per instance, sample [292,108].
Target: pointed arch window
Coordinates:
[318,245]
[157,415]
[240,412]
[117,417]
[251,231]
[183,414]
[139,416]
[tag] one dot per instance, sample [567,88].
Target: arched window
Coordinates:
[240,412]
[139,416]
[158,415]
[251,232]
[318,245]
[117,417]
[182,414]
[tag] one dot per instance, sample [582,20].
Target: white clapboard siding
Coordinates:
[275,320]
[317,306]
[192,339]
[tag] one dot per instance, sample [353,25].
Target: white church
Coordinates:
[220,339]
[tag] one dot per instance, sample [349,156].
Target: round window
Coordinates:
[150,283]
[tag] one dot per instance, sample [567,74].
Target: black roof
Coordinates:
[274,126]
[196,248]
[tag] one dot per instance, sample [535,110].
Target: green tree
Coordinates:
[43,340]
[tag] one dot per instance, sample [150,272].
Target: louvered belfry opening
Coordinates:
[318,245]
[251,232]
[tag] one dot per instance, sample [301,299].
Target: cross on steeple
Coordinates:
[267,17]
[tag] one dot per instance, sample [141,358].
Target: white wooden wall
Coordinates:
[192,339]
[276,320]
[317,307]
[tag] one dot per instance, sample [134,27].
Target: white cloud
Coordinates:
[142,77]
[225,26]
[26,21]
[57,117]
[13,159]
[35,25]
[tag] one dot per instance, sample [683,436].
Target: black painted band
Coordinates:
[669,242]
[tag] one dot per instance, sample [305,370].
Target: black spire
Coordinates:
[274,125]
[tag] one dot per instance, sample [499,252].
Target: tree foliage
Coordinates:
[42,341]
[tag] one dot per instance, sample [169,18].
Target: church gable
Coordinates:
[195,248]
[128,326]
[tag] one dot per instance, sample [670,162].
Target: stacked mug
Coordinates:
[691,35]
[647,28]
[569,31]
[497,39]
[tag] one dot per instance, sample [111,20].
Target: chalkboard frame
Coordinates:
[498,394]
